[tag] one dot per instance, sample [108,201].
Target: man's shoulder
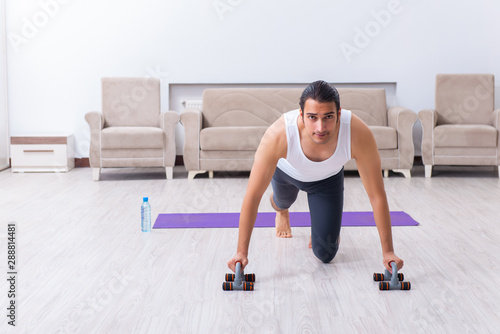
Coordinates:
[277,130]
[360,134]
[275,137]
[357,123]
[280,123]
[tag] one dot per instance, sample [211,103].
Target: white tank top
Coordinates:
[299,167]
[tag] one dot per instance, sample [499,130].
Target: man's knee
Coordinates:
[325,250]
[276,204]
[280,204]
[325,256]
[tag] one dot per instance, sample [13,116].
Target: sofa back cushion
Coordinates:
[263,106]
[369,104]
[465,98]
[131,101]
[247,106]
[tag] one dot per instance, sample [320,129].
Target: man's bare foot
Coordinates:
[283,229]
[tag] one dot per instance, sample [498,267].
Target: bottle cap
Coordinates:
[145,199]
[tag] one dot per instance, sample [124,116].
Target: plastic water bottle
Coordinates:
[145,215]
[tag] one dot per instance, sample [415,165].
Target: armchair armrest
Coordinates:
[402,119]
[193,123]
[496,119]
[428,119]
[168,122]
[496,124]
[95,120]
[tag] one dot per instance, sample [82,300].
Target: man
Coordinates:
[306,150]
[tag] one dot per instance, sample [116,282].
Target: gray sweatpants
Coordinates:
[326,202]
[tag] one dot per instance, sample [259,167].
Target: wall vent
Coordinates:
[196,104]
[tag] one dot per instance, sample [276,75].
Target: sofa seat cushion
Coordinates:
[231,138]
[121,137]
[385,136]
[465,135]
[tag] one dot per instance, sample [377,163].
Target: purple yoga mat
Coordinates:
[266,219]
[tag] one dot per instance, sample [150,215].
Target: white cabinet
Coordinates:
[42,153]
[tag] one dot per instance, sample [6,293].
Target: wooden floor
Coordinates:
[85,267]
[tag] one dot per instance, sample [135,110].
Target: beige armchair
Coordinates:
[392,128]
[131,131]
[226,133]
[463,129]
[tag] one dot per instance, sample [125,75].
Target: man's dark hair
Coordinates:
[321,92]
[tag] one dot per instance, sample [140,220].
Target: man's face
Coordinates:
[320,120]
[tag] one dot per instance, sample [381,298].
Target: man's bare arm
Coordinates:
[272,147]
[364,150]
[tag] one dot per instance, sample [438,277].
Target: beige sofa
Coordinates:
[226,133]
[463,127]
[131,131]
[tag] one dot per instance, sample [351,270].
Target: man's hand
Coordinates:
[239,257]
[388,258]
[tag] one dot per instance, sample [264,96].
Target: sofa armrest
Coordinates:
[193,123]
[402,119]
[95,120]
[428,119]
[168,122]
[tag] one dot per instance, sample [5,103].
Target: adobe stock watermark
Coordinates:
[363,37]
[261,314]
[222,7]
[444,305]
[113,286]
[30,27]
[460,111]
[86,310]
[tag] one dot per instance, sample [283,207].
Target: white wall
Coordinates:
[4,129]
[59,49]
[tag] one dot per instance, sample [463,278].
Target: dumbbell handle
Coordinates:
[394,278]
[238,273]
